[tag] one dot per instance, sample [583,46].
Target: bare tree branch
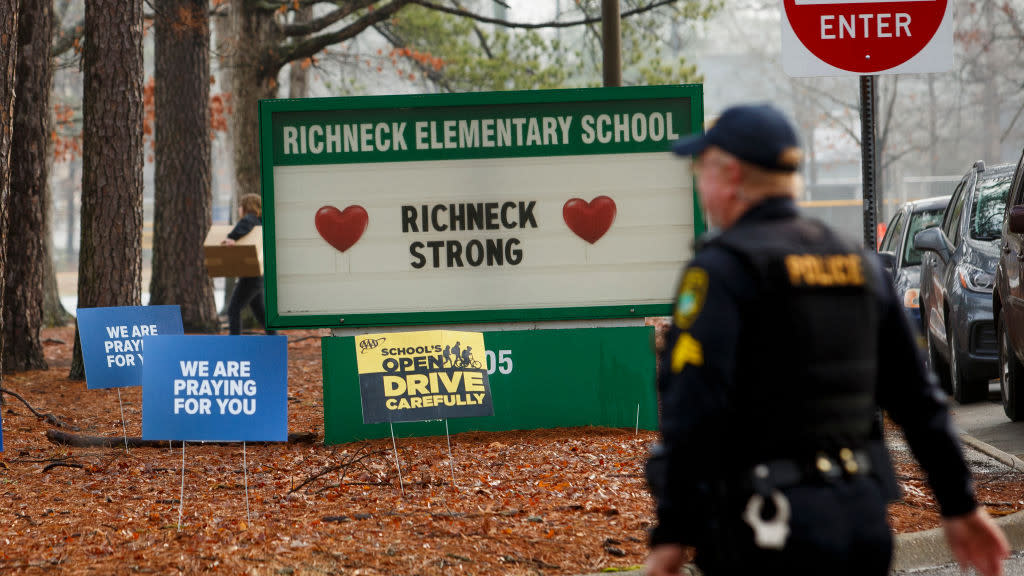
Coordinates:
[64,38]
[480,33]
[1011,17]
[527,25]
[397,41]
[891,158]
[47,417]
[310,46]
[86,440]
[1013,122]
[835,100]
[355,458]
[595,32]
[317,24]
[890,107]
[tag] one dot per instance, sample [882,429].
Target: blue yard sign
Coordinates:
[215,388]
[112,341]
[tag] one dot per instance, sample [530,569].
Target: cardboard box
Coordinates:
[244,258]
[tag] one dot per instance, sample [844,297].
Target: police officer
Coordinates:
[785,341]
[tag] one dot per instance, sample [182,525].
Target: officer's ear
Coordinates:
[731,170]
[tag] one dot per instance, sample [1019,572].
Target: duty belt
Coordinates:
[824,466]
[769,478]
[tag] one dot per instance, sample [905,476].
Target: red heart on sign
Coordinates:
[589,220]
[341,228]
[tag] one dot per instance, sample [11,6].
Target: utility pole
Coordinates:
[611,42]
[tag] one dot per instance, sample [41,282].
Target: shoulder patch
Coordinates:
[686,351]
[692,292]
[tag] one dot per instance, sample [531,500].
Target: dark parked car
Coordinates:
[899,256]
[1008,300]
[957,278]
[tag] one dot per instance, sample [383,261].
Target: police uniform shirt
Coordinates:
[698,383]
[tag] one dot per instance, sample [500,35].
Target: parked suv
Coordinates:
[899,256]
[1008,300]
[957,278]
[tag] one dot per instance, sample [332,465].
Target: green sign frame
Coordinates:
[391,111]
[540,379]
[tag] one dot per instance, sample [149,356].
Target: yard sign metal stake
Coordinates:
[637,431]
[451,460]
[397,463]
[124,431]
[245,476]
[181,500]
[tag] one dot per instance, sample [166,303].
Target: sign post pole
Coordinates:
[869,170]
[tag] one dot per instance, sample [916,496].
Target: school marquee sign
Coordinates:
[494,207]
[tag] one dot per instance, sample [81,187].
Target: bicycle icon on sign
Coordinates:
[463,359]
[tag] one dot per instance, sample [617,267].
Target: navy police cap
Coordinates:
[758,134]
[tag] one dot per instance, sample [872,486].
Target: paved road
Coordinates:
[987,422]
[1014,566]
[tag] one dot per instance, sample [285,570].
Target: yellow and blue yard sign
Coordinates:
[428,375]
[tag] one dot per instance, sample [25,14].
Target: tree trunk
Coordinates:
[54,313]
[990,70]
[27,256]
[184,197]
[227,43]
[253,77]
[298,70]
[933,122]
[110,257]
[8,61]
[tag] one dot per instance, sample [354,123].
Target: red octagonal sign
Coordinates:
[865,37]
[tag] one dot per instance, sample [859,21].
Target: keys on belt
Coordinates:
[849,463]
[824,466]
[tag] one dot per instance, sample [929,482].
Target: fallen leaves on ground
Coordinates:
[564,501]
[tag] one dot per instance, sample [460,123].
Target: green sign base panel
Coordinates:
[538,379]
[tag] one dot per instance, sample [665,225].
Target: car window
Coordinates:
[948,221]
[893,233]
[919,221]
[989,207]
[953,219]
[1018,177]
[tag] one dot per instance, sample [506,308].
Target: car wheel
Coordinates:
[936,364]
[966,388]
[1011,376]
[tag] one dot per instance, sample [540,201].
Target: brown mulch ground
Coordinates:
[999,488]
[564,501]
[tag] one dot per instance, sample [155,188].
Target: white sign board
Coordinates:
[476,207]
